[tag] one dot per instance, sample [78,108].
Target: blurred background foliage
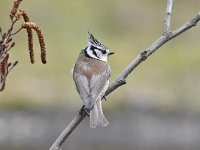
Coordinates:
[169,78]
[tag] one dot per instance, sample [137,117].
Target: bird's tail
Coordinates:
[96,116]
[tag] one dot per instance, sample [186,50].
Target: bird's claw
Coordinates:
[104,97]
[87,111]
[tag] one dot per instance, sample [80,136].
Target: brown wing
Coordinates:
[91,88]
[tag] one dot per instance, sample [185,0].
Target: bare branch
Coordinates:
[69,129]
[191,23]
[1,31]
[150,50]
[169,8]
[11,66]
[121,80]
[17,31]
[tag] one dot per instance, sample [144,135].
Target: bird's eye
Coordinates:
[103,51]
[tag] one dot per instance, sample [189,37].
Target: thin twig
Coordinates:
[10,29]
[121,80]
[69,129]
[1,32]
[11,46]
[191,23]
[12,66]
[150,50]
[17,31]
[167,23]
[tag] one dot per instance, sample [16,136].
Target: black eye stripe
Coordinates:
[103,51]
[93,48]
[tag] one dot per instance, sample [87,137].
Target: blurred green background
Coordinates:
[168,78]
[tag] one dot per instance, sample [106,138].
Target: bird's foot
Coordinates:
[104,97]
[87,111]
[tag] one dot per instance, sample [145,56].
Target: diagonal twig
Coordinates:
[121,80]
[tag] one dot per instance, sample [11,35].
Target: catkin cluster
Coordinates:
[5,42]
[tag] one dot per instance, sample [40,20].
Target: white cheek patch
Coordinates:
[104,58]
[98,53]
[90,53]
[100,56]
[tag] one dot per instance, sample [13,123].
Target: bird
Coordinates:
[91,74]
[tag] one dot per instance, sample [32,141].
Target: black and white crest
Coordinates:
[94,42]
[95,49]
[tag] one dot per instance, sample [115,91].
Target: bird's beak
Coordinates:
[111,53]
